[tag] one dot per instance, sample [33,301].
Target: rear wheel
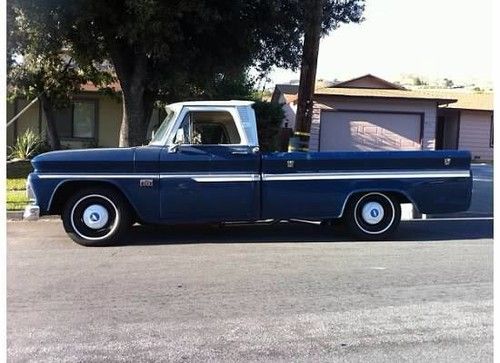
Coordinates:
[96,217]
[372,216]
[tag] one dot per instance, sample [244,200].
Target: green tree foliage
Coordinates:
[40,65]
[269,117]
[171,50]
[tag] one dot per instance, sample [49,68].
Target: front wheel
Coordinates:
[372,216]
[96,217]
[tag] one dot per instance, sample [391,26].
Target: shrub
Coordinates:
[27,146]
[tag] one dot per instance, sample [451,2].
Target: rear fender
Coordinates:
[403,196]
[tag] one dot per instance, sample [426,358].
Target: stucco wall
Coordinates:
[475,134]
[428,108]
[109,116]
[29,119]
[290,111]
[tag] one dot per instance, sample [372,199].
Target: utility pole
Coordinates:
[312,34]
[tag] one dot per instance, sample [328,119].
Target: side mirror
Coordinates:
[179,136]
[178,140]
[173,148]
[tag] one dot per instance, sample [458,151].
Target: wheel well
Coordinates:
[66,190]
[399,197]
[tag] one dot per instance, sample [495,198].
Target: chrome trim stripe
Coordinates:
[239,177]
[209,178]
[202,178]
[94,176]
[368,175]
[227,178]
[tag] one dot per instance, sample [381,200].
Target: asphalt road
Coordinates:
[269,293]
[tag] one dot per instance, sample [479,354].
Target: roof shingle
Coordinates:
[381,93]
[481,101]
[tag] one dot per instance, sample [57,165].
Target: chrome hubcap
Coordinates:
[372,212]
[95,216]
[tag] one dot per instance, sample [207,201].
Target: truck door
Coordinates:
[211,174]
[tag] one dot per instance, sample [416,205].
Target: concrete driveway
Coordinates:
[270,293]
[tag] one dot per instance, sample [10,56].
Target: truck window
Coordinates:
[209,128]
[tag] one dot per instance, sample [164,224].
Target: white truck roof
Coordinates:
[242,112]
[233,103]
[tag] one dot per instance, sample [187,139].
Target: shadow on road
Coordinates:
[418,231]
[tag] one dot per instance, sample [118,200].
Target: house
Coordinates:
[286,94]
[466,124]
[369,113]
[93,119]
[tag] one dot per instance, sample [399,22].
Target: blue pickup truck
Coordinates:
[204,165]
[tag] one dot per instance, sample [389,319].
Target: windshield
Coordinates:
[162,131]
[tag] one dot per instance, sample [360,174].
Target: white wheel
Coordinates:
[373,215]
[95,217]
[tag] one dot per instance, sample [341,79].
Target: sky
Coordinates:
[431,38]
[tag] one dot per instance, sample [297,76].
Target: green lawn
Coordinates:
[17,173]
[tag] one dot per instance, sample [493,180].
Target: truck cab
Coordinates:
[209,162]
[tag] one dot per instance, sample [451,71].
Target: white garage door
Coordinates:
[367,131]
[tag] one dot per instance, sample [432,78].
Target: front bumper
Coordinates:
[32,210]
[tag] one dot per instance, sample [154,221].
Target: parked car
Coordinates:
[204,165]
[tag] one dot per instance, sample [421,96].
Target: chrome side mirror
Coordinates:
[173,148]
[178,140]
[179,136]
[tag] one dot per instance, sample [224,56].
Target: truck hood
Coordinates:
[112,160]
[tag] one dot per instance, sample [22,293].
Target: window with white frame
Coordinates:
[208,128]
[78,121]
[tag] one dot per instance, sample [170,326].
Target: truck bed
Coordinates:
[317,185]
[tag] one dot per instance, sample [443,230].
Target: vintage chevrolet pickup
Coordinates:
[204,165]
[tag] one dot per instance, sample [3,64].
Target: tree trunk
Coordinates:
[48,111]
[137,110]
[308,71]
[132,69]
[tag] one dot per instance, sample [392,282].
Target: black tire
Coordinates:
[96,216]
[372,216]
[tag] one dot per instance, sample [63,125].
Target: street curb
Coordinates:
[15,215]
[18,216]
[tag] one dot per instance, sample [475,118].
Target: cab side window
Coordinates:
[208,128]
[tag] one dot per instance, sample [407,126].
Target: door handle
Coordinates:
[254,150]
[240,153]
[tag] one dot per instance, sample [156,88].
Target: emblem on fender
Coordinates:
[447,161]
[146,183]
